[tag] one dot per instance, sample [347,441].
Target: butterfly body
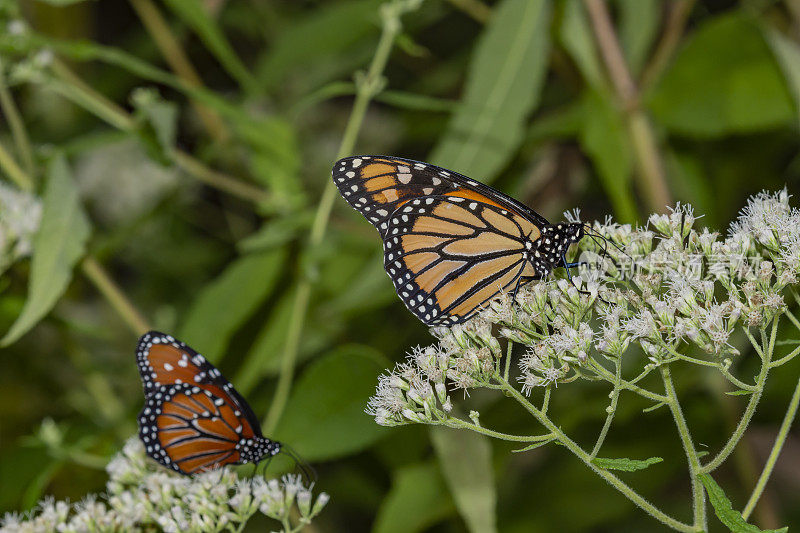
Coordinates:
[451,244]
[193,419]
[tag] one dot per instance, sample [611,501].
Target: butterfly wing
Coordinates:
[164,360]
[376,186]
[190,429]
[448,255]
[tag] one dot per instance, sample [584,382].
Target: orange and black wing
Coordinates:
[376,186]
[164,360]
[190,429]
[449,254]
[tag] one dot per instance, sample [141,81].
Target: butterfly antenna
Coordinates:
[308,471]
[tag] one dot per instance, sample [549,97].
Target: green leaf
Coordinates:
[638,27]
[196,17]
[277,232]
[605,140]
[788,55]
[466,462]
[576,37]
[625,464]
[158,120]
[724,510]
[263,357]
[58,245]
[724,81]
[324,418]
[418,499]
[325,36]
[225,303]
[503,87]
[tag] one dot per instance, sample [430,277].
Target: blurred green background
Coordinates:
[200,134]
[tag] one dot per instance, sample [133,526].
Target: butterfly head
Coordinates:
[255,449]
[552,244]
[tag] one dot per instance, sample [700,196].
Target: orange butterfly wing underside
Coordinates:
[448,255]
[193,420]
[376,186]
[197,434]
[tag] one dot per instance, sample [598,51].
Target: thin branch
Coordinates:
[612,411]
[679,12]
[74,88]
[651,168]
[13,171]
[783,432]
[95,273]
[476,9]
[367,87]
[573,447]
[16,124]
[179,62]
[698,493]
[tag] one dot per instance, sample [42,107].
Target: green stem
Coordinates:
[754,343]
[546,399]
[367,87]
[734,439]
[476,9]
[73,88]
[612,410]
[16,124]
[95,273]
[17,175]
[219,180]
[773,455]
[698,496]
[509,348]
[573,447]
[608,376]
[793,319]
[179,62]
[457,423]
[724,371]
[785,358]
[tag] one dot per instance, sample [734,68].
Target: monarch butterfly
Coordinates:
[450,244]
[193,419]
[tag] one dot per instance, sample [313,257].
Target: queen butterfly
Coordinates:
[193,419]
[450,244]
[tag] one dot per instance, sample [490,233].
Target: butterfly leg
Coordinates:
[567,266]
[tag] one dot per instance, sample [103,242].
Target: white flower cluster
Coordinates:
[668,288]
[142,496]
[20,215]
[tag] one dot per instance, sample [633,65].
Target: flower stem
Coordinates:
[698,494]
[546,399]
[755,397]
[611,412]
[366,89]
[573,447]
[773,455]
[507,362]
[608,376]
[457,423]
